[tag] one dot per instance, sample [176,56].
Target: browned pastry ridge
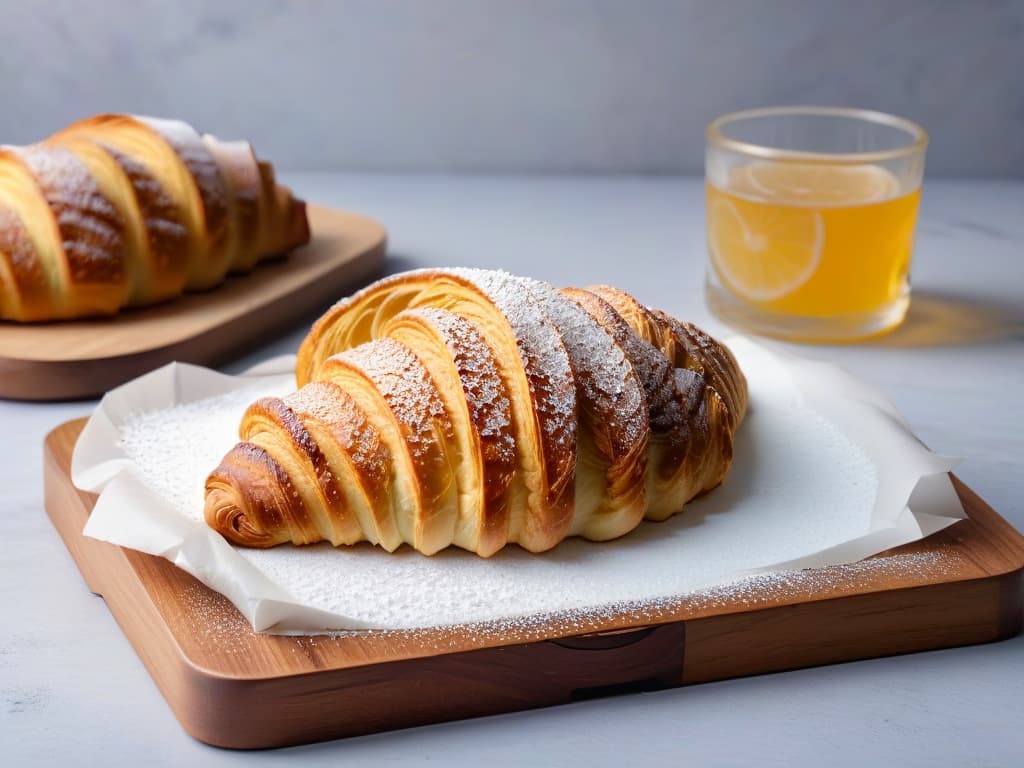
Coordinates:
[118,211]
[477,409]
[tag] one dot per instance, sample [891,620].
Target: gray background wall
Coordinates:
[515,85]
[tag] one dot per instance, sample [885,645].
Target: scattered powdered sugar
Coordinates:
[769,588]
[608,387]
[215,622]
[811,583]
[654,370]
[89,226]
[544,357]
[192,152]
[402,380]
[175,448]
[490,410]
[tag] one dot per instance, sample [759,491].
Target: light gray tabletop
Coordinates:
[73,691]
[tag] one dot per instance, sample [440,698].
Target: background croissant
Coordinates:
[119,210]
[476,408]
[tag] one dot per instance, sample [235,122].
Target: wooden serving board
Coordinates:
[234,688]
[84,358]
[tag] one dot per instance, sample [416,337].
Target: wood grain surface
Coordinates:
[84,358]
[234,688]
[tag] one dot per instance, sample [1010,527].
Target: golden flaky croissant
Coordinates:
[476,409]
[119,211]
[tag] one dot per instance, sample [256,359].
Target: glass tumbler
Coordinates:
[810,215]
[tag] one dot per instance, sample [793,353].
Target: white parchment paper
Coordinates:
[825,472]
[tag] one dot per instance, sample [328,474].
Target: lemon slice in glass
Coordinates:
[764,254]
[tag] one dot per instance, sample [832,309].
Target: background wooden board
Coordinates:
[84,358]
[232,687]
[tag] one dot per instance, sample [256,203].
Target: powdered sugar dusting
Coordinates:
[90,226]
[214,623]
[544,358]
[705,355]
[167,235]
[189,146]
[768,588]
[608,386]
[653,368]
[403,381]
[486,396]
[905,568]
[175,448]
[331,406]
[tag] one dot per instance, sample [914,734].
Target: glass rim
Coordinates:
[917,142]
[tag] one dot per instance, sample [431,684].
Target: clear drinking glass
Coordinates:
[810,220]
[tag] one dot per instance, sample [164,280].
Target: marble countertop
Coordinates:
[73,690]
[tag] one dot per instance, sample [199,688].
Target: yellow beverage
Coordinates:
[812,240]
